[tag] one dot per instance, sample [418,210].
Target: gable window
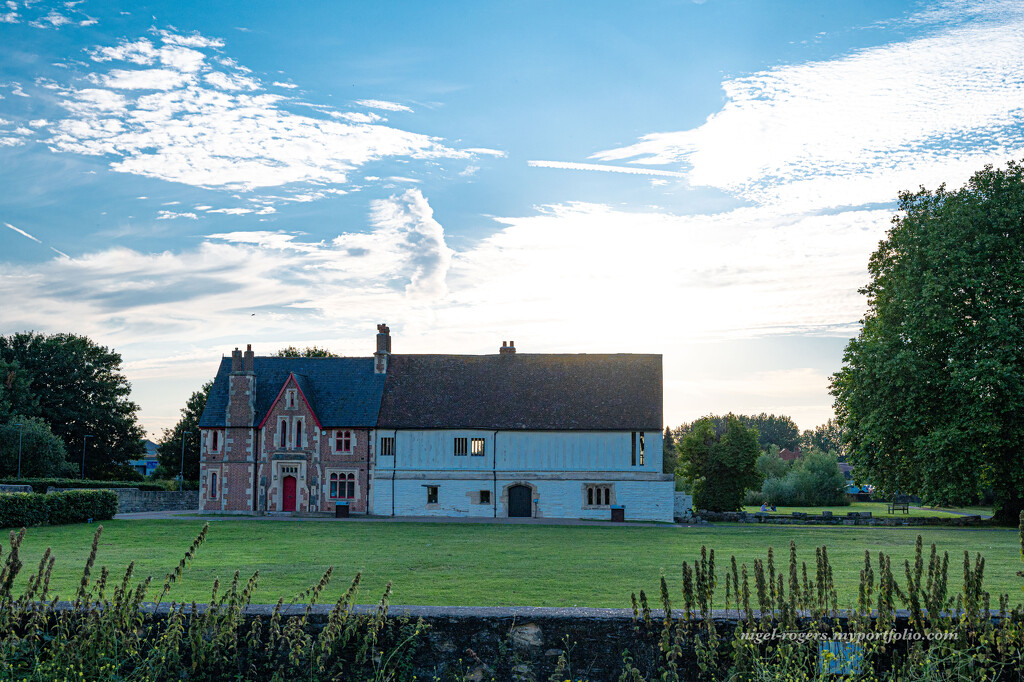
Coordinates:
[485,497]
[460,446]
[343,486]
[213,485]
[477,447]
[343,441]
[298,433]
[290,402]
[431,494]
[214,441]
[387,447]
[598,496]
[284,433]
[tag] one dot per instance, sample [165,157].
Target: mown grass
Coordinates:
[881,509]
[487,564]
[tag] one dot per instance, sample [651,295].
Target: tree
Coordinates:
[307,352]
[719,467]
[669,453]
[15,396]
[828,438]
[76,387]
[771,429]
[169,448]
[932,389]
[42,452]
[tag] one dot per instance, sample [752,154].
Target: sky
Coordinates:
[703,180]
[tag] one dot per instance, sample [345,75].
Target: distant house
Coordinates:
[530,435]
[790,455]
[148,464]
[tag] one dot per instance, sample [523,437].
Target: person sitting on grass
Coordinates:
[764,506]
[773,507]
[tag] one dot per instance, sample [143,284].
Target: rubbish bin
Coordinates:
[341,510]
[618,513]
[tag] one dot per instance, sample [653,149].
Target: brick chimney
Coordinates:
[241,388]
[507,348]
[236,361]
[248,360]
[380,358]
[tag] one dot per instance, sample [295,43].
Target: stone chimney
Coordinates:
[507,348]
[248,360]
[380,358]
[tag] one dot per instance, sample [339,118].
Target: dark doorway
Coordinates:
[519,503]
[289,494]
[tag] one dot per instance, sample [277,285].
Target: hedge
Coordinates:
[40,485]
[53,509]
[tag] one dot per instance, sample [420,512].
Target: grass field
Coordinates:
[485,564]
[881,509]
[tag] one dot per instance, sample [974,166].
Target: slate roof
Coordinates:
[341,391]
[523,391]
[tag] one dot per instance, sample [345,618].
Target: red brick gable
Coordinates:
[290,382]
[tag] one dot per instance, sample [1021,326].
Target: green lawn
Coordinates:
[881,509]
[484,564]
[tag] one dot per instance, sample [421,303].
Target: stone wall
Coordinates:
[848,519]
[130,500]
[682,507]
[10,488]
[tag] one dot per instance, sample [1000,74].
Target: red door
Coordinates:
[289,493]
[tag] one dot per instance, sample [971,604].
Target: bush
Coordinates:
[814,480]
[72,506]
[42,452]
[40,485]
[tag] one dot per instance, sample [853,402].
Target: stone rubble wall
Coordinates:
[131,500]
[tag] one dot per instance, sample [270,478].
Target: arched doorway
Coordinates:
[288,487]
[519,502]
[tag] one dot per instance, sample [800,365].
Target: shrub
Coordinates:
[814,480]
[72,506]
[40,485]
[719,467]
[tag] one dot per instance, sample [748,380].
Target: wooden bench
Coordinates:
[901,506]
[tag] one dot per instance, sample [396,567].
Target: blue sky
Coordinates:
[703,180]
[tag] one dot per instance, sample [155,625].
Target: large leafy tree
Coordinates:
[307,352]
[932,389]
[828,438]
[169,449]
[772,429]
[42,453]
[719,466]
[76,386]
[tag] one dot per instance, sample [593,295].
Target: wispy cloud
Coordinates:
[22,232]
[382,104]
[925,110]
[629,170]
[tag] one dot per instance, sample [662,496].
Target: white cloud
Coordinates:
[382,104]
[52,20]
[604,168]
[922,111]
[289,86]
[172,215]
[186,120]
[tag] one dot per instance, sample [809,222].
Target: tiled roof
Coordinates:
[523,391]
[342,391]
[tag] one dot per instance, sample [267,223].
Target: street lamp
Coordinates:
[181,474]
[19,448]
[84,441]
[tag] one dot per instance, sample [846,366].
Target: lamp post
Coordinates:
[84,441]
[181,474]
[19,448]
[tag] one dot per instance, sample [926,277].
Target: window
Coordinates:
[387,447]
[214,441]
[460,446]
[298,433]
[431,494]
[640,437]
[343,441]
[284,433]
[598,495]
[343,486]
[637,448]
[290,403]
[213,485]
[485,497]
[477,447]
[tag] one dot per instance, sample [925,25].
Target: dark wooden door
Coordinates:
[519,503]
[289,493]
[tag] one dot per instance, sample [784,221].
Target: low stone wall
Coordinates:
[8,488]
[682,508]
[848,519]
[130,500]
[516,643]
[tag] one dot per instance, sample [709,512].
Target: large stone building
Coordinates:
[511,434]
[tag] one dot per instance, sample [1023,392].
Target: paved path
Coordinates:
[205,516]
